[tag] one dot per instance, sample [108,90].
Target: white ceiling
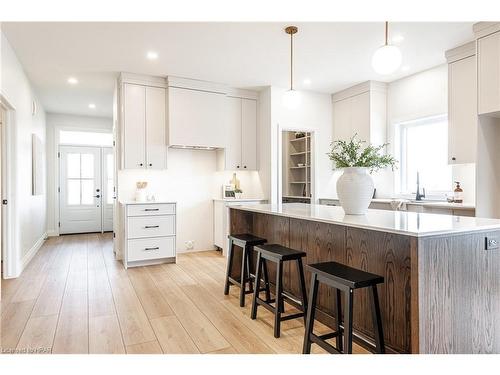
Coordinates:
[332,56]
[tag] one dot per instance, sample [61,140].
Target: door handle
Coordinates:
[97,196]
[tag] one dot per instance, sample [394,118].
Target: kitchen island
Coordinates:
[442,285]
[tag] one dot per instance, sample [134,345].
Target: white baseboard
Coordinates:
[52,233]
[32,252]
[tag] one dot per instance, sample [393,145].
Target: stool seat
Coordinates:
[276,251]
[247,238]
[345,275]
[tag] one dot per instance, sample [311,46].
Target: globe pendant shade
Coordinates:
[291,99]
[386,59]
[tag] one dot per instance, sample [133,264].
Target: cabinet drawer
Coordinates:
[151,226]
[151,209]
[150,248]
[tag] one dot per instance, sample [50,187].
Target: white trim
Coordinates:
[9,241]
[32,252]
[52,233]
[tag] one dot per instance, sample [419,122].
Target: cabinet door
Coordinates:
[156,146]
[489,73]
[232,152]
[249,134]
[134,126]
[342,120]
[462,111]
[360,116]
[196,118]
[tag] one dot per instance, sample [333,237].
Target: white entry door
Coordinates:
[80,198]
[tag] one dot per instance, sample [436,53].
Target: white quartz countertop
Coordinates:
[401,222]
[239,199]
[429,203]
[130,202]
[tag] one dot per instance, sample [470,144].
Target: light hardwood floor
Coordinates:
[74,297]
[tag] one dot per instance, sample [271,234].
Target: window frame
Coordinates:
[400,150]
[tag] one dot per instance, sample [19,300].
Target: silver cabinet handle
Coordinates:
[151,226]
[151,248]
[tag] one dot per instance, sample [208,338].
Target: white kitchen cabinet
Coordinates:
[221,219]
[196,118]
[148,233]
[142,126]
[462,104]
[241,150]
[488,73]
[361,110]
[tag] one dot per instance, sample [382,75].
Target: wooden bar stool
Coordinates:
[343,279]
[278,254]
[246,242]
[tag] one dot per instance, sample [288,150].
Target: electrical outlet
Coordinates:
[189,245]
[492,243]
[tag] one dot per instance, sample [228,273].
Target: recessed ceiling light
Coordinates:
[398,38]
[72,81]
[152,55]
[405,68]
[307,81]
[92,106]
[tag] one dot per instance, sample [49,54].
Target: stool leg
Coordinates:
[229,266]
[338,320]
[243,276]
[256,289]
[348,322]
[303,292]
[311,310]
[279,299]
[377,321]
[250,270]
[266,280]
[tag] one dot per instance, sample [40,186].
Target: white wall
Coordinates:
[420,95]
[55,122]
[29,210]
[314,113]
[192,181]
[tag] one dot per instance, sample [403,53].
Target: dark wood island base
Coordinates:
[441,293]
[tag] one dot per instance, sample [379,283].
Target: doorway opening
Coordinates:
[296,166]
[86,182]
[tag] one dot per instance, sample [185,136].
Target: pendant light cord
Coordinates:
[291,61]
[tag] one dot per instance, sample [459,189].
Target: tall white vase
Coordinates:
[355,190]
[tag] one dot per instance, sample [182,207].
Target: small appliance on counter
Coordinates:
[228,192]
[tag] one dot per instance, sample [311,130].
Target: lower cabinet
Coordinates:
[149,232]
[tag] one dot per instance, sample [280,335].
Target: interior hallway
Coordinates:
[74,297]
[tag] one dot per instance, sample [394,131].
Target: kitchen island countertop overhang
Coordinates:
[399,222]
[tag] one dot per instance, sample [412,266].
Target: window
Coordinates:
[80,179]
[423,146]
[70,137]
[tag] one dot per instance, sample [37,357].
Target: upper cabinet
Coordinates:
[142,123]
[361,110]
[196,113]
[488,67]
[462,104]
[241,117]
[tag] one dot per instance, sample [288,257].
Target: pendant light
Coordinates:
[291,98]
[387,58]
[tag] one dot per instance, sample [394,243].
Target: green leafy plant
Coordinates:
[238,190]
[353,153]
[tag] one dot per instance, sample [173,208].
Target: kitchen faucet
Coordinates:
[419,196]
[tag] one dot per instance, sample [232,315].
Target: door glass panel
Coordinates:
[73,193]
[73,165]
[109,192]
[109,165]
[88,191]
[87,166]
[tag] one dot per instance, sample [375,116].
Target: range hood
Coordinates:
[205,148]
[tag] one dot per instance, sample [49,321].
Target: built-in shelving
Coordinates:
[296,166]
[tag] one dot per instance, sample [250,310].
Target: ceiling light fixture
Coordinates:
[72,81]
[405,68]
[92,106]
[152,55]
[387,58]
[307,81]
[291,98]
